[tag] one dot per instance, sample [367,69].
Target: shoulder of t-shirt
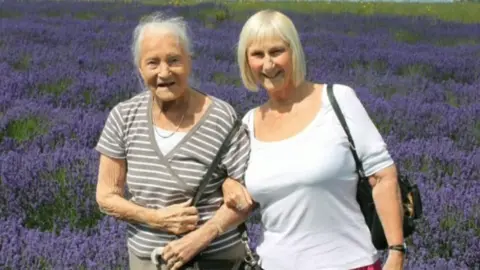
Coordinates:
[223,109]
[248,116]
[343,92]
[132,105]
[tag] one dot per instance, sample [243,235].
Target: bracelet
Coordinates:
[402,248]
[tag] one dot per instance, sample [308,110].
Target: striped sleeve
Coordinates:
[111,141]
[236,158]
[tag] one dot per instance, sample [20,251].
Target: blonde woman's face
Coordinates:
[270,62]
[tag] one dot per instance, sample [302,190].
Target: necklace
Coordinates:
[178,126]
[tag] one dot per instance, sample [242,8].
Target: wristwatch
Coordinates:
[402,248]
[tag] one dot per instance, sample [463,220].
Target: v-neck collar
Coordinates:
[166,158]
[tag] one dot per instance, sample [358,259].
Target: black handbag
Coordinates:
[411,200]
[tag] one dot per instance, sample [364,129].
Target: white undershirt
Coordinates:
[167,144]
[306,185]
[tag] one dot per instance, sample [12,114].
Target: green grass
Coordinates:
[85,15]
[8,15]
[415,70]
[476,131]
[44,217]
[452,99]
[56,88]
[111,69]
[387,91]
[87,95]
[461,12]
[466,12]
[23,63]
[407,37]
[221,78]
[25,129]
[53,13]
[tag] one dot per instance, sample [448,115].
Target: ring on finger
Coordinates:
[177,262]
[171,262]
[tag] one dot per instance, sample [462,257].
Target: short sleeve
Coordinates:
[236,158]
[371,148]
[111,142]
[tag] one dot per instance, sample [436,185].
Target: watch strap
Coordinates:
[400,248]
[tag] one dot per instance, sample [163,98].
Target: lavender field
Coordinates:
[63,66]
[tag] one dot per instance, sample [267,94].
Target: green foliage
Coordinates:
[221,78]
[407,37]
[464,11]
[459,11]
[25,129]
[23,63]
[64,205]
[56,88]
[85,15]
[6,14]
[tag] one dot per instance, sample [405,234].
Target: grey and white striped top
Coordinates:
[156,181]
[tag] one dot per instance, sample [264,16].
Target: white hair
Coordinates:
[157,20]
[266,24]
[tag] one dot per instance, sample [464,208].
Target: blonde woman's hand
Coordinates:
[394,261]
[236,196]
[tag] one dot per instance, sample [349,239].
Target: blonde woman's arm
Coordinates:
[378,166]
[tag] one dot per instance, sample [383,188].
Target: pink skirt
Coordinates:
[376,266]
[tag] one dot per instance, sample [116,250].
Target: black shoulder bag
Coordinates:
[411,201]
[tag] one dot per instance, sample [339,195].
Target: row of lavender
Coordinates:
[63,71]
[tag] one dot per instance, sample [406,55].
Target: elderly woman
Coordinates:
[301,171]
[160,143]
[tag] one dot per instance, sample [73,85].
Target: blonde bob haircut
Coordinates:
[261,26]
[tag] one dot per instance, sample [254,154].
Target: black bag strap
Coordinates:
[216,160]
[341,118]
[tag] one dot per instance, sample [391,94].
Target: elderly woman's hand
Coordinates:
[236,196]
[178,218]
[179,252]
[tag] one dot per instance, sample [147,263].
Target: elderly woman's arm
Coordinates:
[175,219]
[188,246]
[226,218]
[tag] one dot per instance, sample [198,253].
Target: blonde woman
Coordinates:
[301,171]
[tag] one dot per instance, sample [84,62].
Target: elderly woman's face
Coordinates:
[164,65]
[271,63]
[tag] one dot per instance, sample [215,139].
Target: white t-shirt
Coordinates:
[306,188]
[166,144]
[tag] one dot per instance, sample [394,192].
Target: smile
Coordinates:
[272,77]
[165,84]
